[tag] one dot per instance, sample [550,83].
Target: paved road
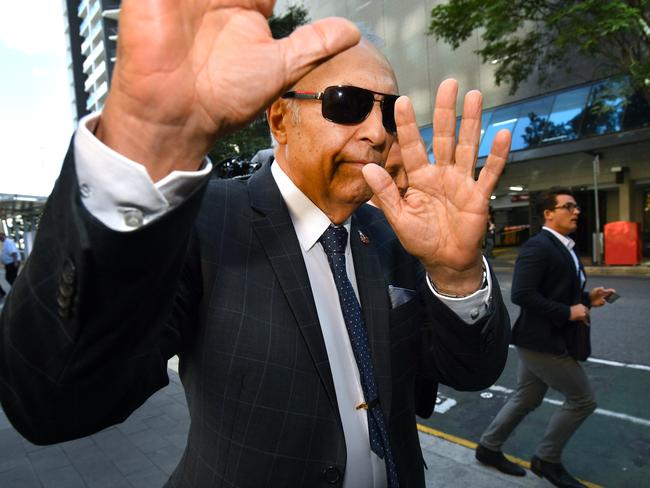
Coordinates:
[612,448]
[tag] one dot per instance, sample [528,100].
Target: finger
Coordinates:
[444,122]
[265,7]
[414,152]
[311,44]
[496,161]
[383,186]
[470,133]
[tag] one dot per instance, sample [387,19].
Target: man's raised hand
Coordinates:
[189,71]
[443,216]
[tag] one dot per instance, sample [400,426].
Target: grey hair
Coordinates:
[294,106]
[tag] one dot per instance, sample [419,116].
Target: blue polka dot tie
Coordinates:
[334,241]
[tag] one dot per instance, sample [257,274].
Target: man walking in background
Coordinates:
[551,335]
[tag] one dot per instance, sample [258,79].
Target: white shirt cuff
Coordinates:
[471,308]
[118,191]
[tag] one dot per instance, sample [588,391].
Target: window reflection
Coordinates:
[604,113]
[637,114]
[532,126]
[566,115]
[604,107]
[427,136]
[503,118]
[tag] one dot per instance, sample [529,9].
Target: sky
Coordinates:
[36,120]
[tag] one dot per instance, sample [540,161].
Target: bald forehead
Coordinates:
[362,60]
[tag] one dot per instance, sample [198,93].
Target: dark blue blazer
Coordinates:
[220,281]
[545,285]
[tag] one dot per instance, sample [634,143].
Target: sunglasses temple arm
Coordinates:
[303,95]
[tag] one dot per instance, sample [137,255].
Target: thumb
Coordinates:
[383,186]
[311,44]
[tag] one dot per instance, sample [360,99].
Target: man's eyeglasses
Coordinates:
[351,104]
[571,207]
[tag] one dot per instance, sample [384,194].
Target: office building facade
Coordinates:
[92,40]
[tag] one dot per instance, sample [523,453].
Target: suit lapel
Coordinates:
[277,236]
[567,258]
[373,294]
[581,284]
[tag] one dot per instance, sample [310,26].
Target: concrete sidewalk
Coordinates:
[143,451]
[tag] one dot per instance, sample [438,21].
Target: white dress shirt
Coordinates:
[569,244]
[120,193]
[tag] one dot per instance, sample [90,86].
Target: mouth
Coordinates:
[360,162]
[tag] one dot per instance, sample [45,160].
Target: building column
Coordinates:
[625,200]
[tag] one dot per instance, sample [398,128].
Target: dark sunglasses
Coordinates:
[351,104]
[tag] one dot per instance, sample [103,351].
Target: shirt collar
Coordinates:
[309,221]
[567,241]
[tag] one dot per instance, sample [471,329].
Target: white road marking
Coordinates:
[600,411]
[617,364]
[444,407]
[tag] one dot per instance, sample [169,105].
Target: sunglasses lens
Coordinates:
[388,113]
[346,104]
[351,105]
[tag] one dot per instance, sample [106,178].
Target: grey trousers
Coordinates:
[537,371]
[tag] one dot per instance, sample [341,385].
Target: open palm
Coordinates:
[443,216]
[189,71]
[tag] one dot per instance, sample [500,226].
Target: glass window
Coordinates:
[566,115]
[637,113]
[607,104]
[503,118]
[427,136]
[532,124]
[485,121]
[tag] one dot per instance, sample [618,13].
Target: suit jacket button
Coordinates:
[133,217]
[332,475]
[68,272]
[66,290]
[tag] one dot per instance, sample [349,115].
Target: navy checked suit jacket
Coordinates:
[95,315]
[545,284]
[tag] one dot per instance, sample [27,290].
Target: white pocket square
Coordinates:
[399,296]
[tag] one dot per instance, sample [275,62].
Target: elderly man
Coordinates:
[310,327]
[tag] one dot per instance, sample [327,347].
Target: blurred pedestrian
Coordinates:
[10,259]
[490,236]
[551,335]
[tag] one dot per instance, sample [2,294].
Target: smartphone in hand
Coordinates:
[612,298]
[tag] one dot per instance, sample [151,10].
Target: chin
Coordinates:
[355,192]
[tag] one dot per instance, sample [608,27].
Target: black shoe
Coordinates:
[497,460]
[555,473]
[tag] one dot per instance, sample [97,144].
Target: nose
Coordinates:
[372,128]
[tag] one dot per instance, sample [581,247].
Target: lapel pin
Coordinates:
[363,238]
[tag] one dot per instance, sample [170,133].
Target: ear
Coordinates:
[277,116]
[548,214]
